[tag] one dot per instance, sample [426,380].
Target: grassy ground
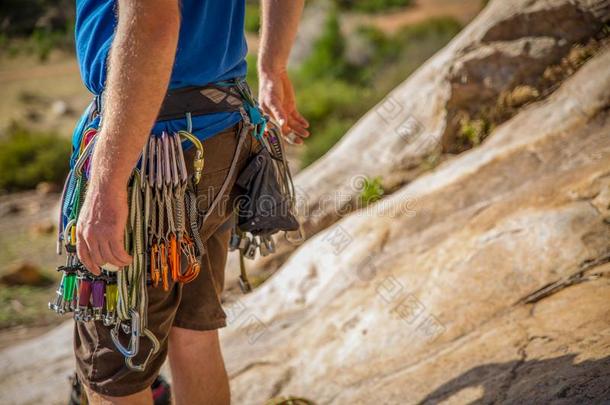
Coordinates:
[25,238]
[30,88]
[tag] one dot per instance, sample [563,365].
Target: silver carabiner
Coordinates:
[134,342]
[153,350]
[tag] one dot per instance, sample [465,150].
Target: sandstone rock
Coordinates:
[508,44]
[386,307]
[39,369]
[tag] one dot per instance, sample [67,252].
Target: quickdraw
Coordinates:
[157,235]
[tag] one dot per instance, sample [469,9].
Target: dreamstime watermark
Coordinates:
[247,322]
[335,204]
[338,239]
[409,308]
[406,125]
[403,304]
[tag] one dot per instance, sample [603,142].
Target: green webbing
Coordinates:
[69,287]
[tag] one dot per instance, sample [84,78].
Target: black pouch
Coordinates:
[262,208]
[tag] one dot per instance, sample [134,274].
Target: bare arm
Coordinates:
[280,20]
[140,65]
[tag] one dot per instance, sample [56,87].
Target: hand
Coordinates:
[276,98]
[100,230]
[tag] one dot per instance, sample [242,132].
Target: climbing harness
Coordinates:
[162,231]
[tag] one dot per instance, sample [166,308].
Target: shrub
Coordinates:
[28,158]
[333,100]
[472,132]
[327,58]
[252,74]
[323,98]
[372,190]
[36,26]
[253,17]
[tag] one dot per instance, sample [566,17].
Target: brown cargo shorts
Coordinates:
[195,306]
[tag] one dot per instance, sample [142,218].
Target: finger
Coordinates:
[293,138]
[82,252]
[95,255]
[118,249]
[109,257]
[297,128]
[299,131]
[297,116]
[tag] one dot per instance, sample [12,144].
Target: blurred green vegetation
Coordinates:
[334,89]
[28,157]
[472,132]
[327,57]
[372,6]
[25,305]
[36,26]
[253,16]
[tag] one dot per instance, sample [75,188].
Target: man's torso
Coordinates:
[211,48]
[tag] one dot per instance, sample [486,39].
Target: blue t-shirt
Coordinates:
[211,47]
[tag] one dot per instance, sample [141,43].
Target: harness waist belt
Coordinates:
[196,100]
[200,100]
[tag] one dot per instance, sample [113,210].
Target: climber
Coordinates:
[134,55]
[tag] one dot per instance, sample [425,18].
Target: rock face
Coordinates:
[510,44]
[491,285]
[485,279]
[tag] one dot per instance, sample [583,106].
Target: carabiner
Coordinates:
[198,161]
[69,235]
[153,350]
[164,266]
[155,274]
[174,258]
[193,268]
[83,157]
[134,342]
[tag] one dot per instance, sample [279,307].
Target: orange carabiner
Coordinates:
[174,258]
[191,272]
[155,274]
[164,267]
[193,268]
